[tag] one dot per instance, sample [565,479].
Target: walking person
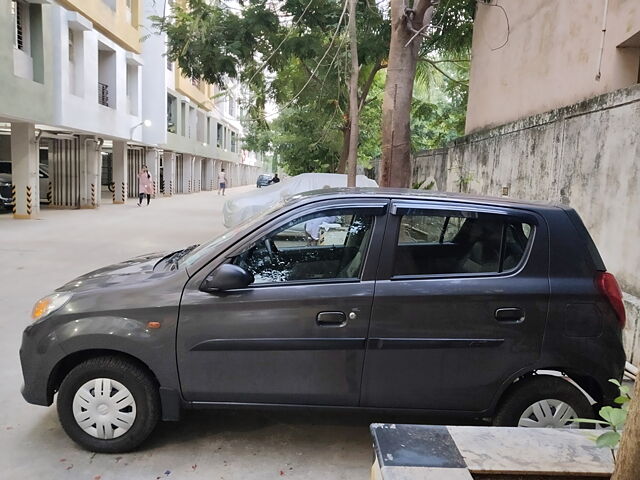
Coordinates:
[222,180]
[145,185]
[275,179]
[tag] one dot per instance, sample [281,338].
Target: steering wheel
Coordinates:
[272,250]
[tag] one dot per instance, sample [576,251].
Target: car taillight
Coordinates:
[609,287]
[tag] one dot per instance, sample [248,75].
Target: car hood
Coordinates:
[132,270]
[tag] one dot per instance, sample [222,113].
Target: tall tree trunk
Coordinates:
[344,154]
[346,131]
[395,165]
[628,461]
[352,158]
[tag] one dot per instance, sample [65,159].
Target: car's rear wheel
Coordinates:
[543,402]
[108,405]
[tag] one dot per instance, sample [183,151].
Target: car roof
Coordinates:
[409,194]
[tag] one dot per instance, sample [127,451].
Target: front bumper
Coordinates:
[39,354]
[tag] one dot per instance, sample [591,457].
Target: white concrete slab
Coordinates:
[541,450]
[425,473]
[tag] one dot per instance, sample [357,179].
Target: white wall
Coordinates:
[584,155]
[76,105]
[547,56]
[154,78]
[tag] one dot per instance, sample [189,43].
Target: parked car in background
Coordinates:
[242,207]
[6,199]
[264,180]
[477,307]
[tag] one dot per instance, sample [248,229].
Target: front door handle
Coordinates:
[509,315]
[331,319]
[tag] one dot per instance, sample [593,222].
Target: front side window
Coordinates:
[328,245]
[459,243]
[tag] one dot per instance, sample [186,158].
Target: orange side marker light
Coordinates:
[153,324]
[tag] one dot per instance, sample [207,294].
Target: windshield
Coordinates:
[209,247]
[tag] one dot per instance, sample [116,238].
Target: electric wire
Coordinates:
[506,16]
[313,73]
[295,24]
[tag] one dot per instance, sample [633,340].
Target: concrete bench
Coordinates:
[425,452]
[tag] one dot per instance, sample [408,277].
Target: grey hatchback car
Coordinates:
[391,300]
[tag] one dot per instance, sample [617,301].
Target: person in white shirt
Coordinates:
[222,180]
[313,226]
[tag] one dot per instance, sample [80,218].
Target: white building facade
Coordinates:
[89,89]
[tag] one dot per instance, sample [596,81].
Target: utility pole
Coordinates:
[352,159]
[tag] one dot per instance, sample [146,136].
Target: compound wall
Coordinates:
[586,155]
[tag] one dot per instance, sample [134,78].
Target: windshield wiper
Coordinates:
[174,258]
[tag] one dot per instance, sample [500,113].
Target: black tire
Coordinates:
[135,379]
[534,389]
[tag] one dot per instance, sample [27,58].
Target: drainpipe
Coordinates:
[604,32]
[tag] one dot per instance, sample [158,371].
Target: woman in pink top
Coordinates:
[145,184]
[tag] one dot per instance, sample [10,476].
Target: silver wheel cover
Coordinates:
[548,413]
[104,408]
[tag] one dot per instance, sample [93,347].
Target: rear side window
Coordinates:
[459,243]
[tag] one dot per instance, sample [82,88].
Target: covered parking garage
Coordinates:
[42,165]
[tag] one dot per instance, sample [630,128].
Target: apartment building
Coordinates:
[89,97]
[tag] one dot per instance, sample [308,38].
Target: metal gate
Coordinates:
[135,157]
[179,174]
[64,172]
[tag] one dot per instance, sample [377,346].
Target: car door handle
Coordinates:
[331,319]
[509,315]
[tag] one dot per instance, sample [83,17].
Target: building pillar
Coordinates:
[90,172]
[25,171]
[207,181]
[169,172]
[120,166]
[153,164]
[187,173]
[197,174]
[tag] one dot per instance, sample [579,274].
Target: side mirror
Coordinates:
[226,277]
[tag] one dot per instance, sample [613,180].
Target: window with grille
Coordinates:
[17,10]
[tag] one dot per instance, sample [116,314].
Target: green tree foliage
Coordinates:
[294,54]
[439,107]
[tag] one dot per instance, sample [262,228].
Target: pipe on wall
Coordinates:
[604,33]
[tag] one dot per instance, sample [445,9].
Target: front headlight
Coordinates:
[48,305]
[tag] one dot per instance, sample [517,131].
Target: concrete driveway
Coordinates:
[37,256]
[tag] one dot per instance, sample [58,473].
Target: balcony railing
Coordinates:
[103,94]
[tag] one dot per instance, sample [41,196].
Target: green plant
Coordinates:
[613,417]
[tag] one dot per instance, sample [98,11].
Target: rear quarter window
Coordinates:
[469,243]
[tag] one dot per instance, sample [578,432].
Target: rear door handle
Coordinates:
[509,315]
[331,319]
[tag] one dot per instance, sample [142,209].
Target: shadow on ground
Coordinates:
[196,425]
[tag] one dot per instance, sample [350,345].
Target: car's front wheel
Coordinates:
[108,405]
[543,402]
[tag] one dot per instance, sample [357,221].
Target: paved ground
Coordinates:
[36,256]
